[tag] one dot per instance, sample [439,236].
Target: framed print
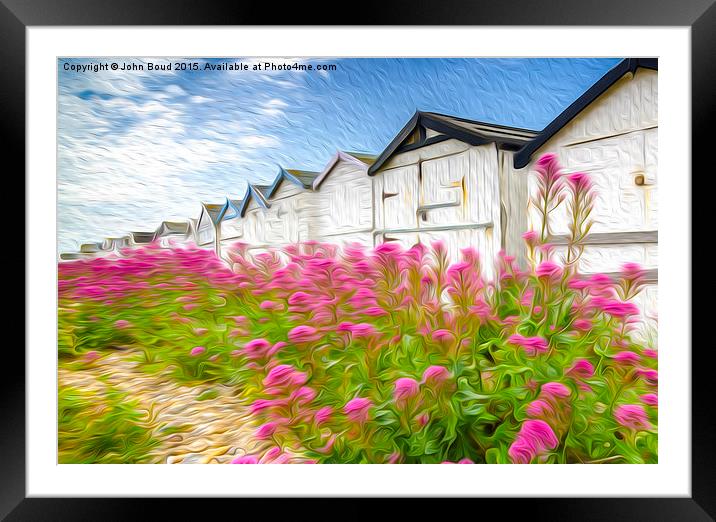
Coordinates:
[401,247]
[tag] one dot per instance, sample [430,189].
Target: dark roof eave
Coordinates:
[395,143]
[441,123]
[523,156]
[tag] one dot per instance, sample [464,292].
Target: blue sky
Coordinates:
[139,147]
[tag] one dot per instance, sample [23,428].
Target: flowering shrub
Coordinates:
[389,355]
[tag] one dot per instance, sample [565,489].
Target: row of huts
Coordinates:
[465,182]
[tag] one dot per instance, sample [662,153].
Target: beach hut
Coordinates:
[172,232]
[340,207]
[90,248]
[439,179]
[141,238]
[232,224]
[287,197]
[253,210]
[207,225]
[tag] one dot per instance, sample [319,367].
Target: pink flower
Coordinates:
[465,461]
[582,368]
[632,416]
[299,298]
[374,311]
[650,398]
[548,269]
[652,354]
[357,330]
[615,307]
[284,375]
[632,271]
[303,334]
[649,374]
[555,390]
[627,357]
[535,438]
[357,409]
[197,350]
[580,181]
[578,284]
[323,415]
[304,395]
[405,388]
[270,305]
[394,457]
[443,336]
[271,455]
[246,459]
[121,323]
[539,408]
[531,237]
[548,169]
[256,348]
[436,375]
[582,324]
[345,326]
[531,345]
[200,331]
[276,347]
[548,161]
[266,430]
[601,284]
[262,404]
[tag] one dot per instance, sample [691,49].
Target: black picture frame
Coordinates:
[699,15]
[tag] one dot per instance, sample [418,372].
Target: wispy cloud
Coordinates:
[274,107]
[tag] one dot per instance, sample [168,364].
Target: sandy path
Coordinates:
[215,430]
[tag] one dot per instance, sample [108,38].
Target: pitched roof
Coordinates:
[305,177]
[469,131]
[302,178]
[90,248]
[361,160]
[215,211]
[172,227]
[261,192]
[234,208]
[142,237]
[257,192]
[522,157]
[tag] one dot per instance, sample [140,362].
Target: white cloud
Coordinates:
[273,107]
[131,155]
[258,141]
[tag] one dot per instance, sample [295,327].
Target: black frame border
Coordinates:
[699,15]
